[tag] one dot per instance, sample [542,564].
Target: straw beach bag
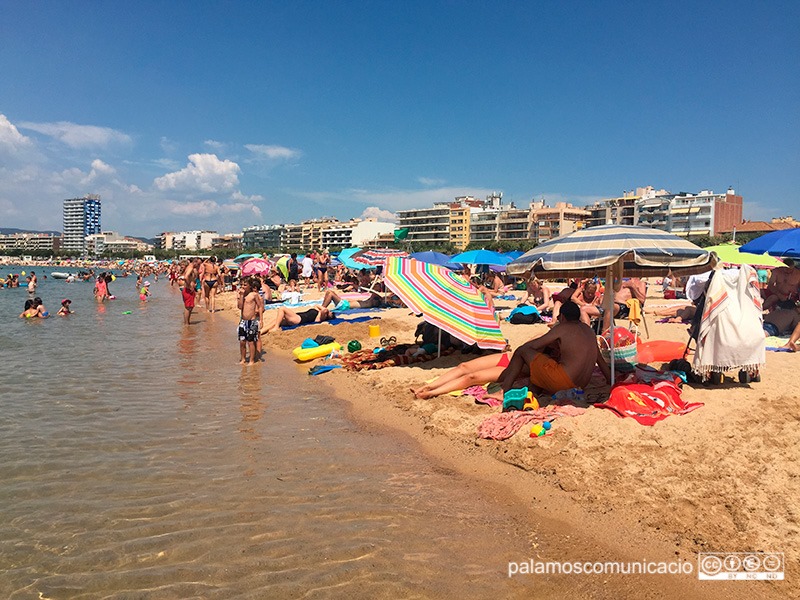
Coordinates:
[625,349]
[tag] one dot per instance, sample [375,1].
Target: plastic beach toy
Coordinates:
[514,399]
[374,331]
[304,354]
[353,346]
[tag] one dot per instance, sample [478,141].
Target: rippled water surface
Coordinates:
[140,461]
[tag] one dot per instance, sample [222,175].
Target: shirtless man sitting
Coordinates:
[578,354]
[782,286]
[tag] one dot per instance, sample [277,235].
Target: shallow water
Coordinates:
[140,461]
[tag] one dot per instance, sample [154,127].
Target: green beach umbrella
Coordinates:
[729,254]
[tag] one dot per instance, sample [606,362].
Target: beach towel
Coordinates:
[647,403]
[336,321]
[731,334]
[502,426]
[776,343]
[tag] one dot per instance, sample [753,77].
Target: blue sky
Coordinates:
[222,115]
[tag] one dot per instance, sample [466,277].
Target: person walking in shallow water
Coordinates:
[188,291]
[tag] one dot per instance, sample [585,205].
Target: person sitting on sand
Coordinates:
[783,285]
[538,296]
[623,291]
[584,293]
[493,285]
[286,316]
[578,353]
[484,369]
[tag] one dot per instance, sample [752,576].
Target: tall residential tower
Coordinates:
[81,218]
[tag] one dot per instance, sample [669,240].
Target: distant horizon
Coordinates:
[225,116]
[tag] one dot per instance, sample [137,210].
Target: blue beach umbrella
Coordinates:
[345,257]
[514,254]
[785,242]
[436,258]
[480,257]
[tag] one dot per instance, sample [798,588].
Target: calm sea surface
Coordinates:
[138,460]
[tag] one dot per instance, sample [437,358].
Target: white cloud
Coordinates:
[373,212]
[79,136]
[428,181]
[10,137]
[205,173]
[208,208]
[274,152]
[239,196]
[168,146]
[214,144]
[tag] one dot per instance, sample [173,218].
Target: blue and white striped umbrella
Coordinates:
[588,252]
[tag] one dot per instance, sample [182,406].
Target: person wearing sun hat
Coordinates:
[65,310]
[144,292]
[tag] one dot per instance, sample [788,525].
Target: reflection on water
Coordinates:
[251,406]
[140,460]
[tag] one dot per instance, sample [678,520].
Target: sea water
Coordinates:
[139,460]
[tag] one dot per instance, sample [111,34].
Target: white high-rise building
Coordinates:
[81,219]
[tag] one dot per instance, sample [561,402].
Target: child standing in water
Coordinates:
[144,292]
[251,307]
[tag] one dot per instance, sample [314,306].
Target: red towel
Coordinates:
[646,403]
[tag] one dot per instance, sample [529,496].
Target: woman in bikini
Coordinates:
[210,278]
[538,296]
[286,316]
[484,369]
[323,260]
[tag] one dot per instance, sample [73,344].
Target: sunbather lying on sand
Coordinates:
[781,321]
[484,369]
[286,316]
[677,314]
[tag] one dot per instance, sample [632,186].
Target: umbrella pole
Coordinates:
[609,302]
[439,345]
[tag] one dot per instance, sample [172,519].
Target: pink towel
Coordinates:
[502,426]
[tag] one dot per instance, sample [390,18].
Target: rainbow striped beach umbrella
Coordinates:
[444,299]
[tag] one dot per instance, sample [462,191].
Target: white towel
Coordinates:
[731,334]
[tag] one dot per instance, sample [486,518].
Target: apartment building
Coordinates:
[704,213]
[550,222]
[357,232]
[426,225]
[30,242]
[81,217]
[263,236]
[114,243]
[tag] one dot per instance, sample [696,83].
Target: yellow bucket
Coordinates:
[374,331]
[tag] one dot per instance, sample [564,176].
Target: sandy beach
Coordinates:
[721,478]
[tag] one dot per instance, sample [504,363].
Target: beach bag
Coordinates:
[524,315]
[625,349]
